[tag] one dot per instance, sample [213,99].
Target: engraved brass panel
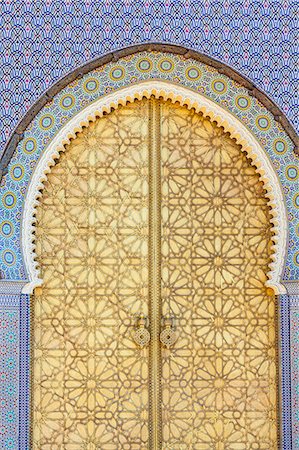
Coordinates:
[154,192]
[219,379]
[90,384]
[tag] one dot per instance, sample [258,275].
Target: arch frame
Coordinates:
[191,99]
[133,69]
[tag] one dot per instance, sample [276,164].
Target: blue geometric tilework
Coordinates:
[9,376]
[295,376]
[44,40]
[41,41]
[127,71]
[24,373]
[285,370]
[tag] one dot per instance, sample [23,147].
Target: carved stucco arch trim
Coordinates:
[191,99]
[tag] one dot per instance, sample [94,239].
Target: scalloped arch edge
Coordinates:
[190,99]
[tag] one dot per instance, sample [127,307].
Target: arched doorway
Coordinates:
[154,210]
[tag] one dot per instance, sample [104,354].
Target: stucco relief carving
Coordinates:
[191,99]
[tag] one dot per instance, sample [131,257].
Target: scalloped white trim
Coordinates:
[185,96]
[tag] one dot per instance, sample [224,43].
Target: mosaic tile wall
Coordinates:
[41,41]
[44,40]
[285,372]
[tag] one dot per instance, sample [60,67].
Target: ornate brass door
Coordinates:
[154,210]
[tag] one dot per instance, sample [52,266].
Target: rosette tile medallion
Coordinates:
[154,211]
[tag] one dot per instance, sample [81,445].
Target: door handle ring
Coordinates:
[168,335]
[140,334]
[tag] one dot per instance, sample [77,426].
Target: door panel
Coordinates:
[154,210]
[90,380]
[219,378]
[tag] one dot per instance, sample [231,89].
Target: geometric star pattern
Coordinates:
[219,380]
[90,379]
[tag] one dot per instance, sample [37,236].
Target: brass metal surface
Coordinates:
[219,380]
[153,210]
[140,333]
[155,423]
[90,382]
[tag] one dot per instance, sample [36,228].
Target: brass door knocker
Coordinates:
[140,334]
[168,335]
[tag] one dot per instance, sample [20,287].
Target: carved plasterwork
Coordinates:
[191,99]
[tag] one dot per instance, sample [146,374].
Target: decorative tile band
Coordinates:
[285,371]
[9,372]
[294,319]
[24,373]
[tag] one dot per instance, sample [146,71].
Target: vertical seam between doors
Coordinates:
[155,422]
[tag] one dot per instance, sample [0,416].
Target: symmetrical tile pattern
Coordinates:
[294,324]
[42,41]
[286,372]
[9,372]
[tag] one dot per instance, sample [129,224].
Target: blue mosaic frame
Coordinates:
[15,388]
[10,351]
[285,372]
[25,372]
[294,356]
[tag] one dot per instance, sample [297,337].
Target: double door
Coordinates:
[153,328]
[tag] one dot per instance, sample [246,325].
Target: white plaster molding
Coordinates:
[191,99]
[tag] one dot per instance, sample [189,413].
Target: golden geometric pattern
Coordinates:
[218,380]
[90,379]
